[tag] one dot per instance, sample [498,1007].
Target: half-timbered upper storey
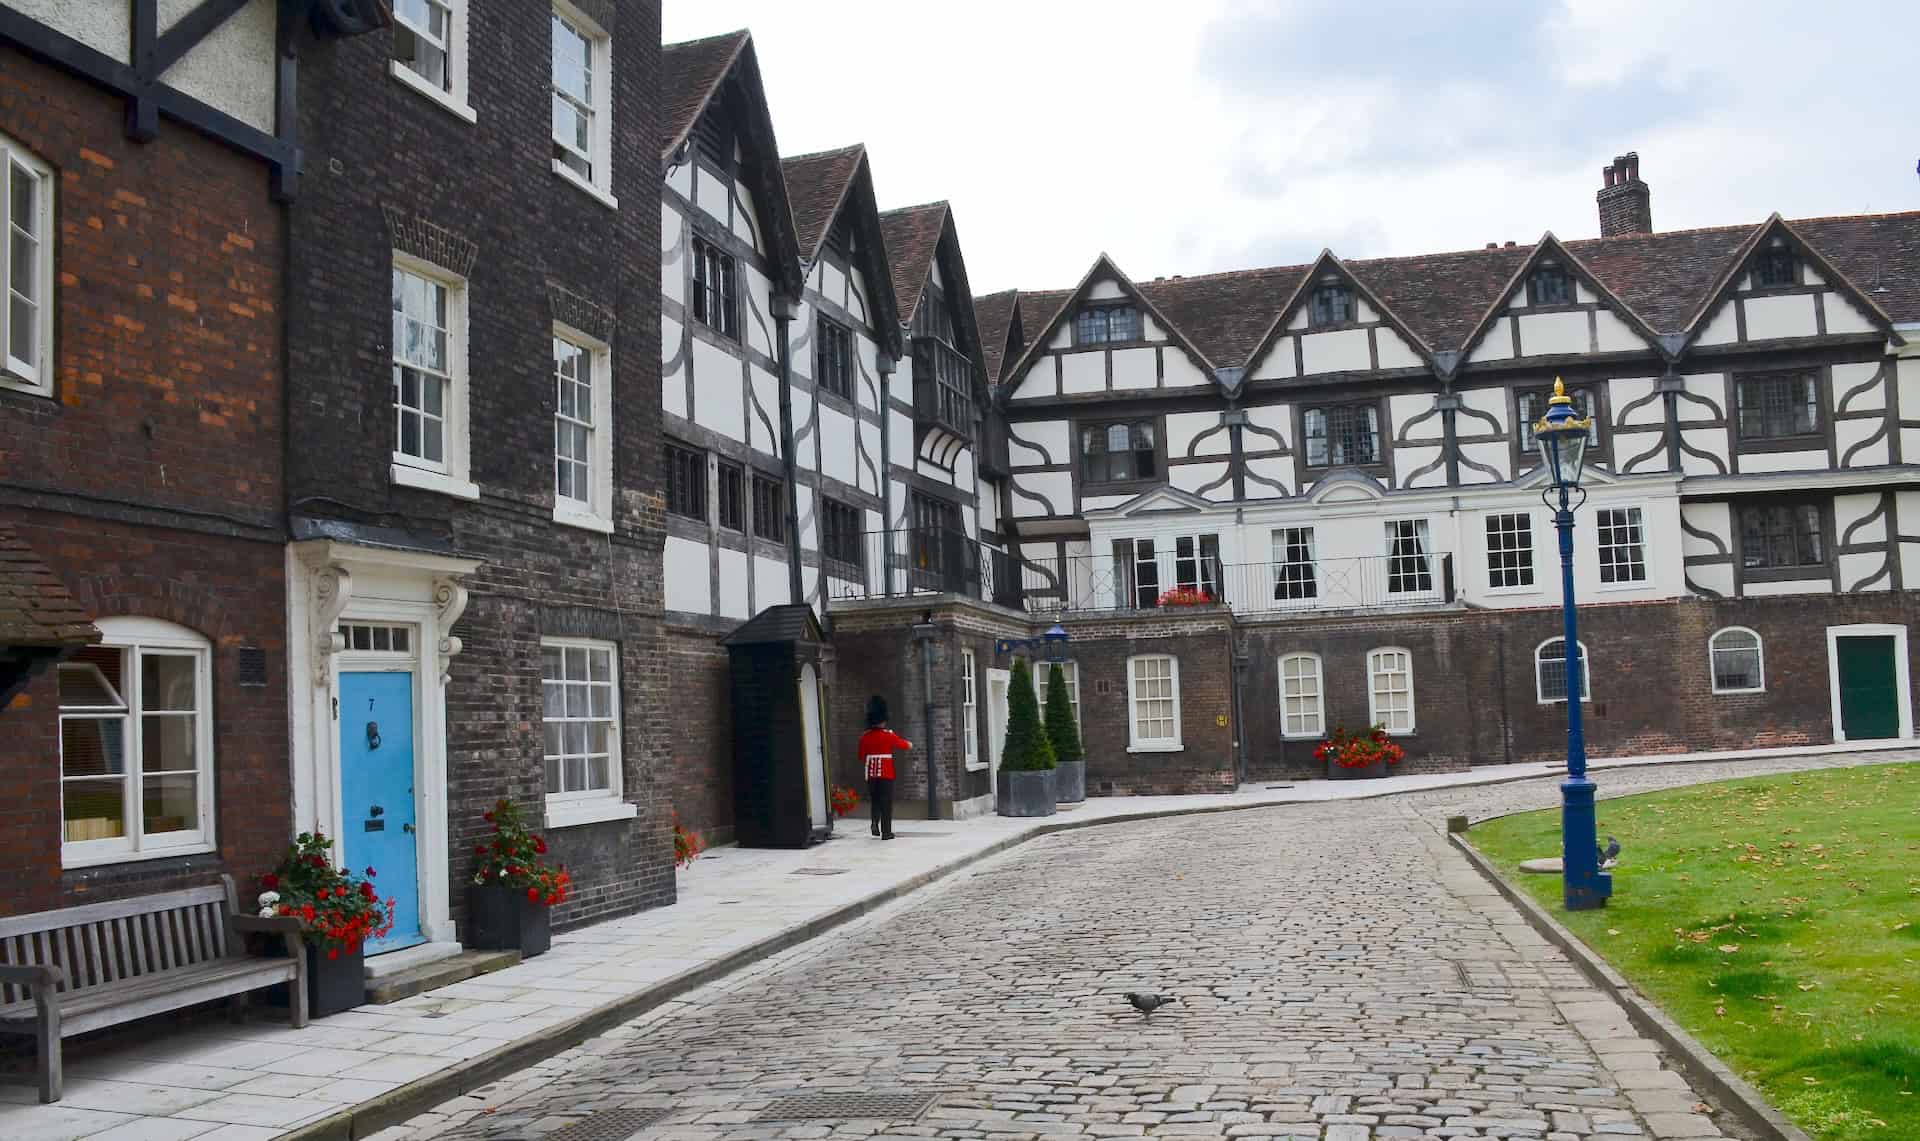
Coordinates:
[1756,407]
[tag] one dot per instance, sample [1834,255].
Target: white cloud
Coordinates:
[1222,134]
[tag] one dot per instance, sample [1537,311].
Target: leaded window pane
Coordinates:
[1782,536]
[1776,407]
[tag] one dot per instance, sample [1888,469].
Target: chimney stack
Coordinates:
[1625,202]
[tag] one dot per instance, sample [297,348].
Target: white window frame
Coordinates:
[1317,727]
[1532,550]
[595,513]
[1072,672]
[1291,588]
[133,636]
[1420,535]
[970,710]
[600,106]
[453,98]
[589,806]
[35,375]
[1759,652]
[450,476]
[1135,744]
[1637,519]
[1374,661]
[1586,674]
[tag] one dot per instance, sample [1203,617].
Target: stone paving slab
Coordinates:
[736,908]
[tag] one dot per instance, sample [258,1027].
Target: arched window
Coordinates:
[1302,707]
[1550,671]
[136,744]
[1739,663]
[1390,689]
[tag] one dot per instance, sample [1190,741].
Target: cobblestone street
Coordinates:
[1340,973]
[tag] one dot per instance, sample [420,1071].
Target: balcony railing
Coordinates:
[1102,583]
[925,560]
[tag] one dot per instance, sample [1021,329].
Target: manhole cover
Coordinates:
[609,1125]
[815,1106]
[820,871]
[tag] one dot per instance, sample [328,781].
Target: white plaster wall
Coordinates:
[1150,329]
[1102,502]
[1490,455]
[1849,510]
[1553,334]
[865,477]
[673,274]
[1107,290]
[1712,441]
[866,386]
[1062,337]
[1180,372]
[1847,377]
[232,69]
[857,295]
[1784,461]
[963,470]
[673,382]
[709,193]
[756,324]
[1298,321]
[833,283]
[1771,318]
[1491,401]
[763,420]
[1848,433]
[803,428]
[836,444]
[717,396]
[1723,329]
[1497,345]
[1843,316]
[1623,392]
[1714,519]
[1278,363]
[1410,458]
[105,27]
[1342,350]
[1275,469]
[1038,442]
[803,511]
[1363,312]
[1393,349]
[1055,487]
[1401,411]
[1792,586]
[1193,477]
[769,583]
[744,215]
[1135,368]
[1717,578]
[1907,504]
[1276,418]
[1037,382]
[989,501]
[1856,570]
[688,581]
[900,436]
[933,472]
[1612,335]
[1083,372]
[1709,386]
[1582,294]
[1184,427]
[680,180]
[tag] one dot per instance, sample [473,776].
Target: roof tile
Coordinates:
[35,606]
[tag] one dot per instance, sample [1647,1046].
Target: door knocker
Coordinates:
[373,734]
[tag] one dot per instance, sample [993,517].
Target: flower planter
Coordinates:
[1374,771]
[1027,793]
[504,919]
[335,984]
[1070,782]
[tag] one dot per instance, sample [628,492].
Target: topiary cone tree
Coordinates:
[1062,733]
[1027,749]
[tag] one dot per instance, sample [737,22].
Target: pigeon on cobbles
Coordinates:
[1148,1003]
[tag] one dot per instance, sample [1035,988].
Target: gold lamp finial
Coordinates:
[1559,393]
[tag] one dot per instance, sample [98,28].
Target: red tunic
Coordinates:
[876,750]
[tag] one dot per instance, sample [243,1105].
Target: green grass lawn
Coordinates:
[1778,920]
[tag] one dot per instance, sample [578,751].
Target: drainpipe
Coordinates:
[923,633]
[783,308]
[884,362]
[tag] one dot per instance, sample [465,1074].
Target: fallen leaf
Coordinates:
[1613,931]
[1729,948]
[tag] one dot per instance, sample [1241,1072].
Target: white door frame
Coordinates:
[1900,678]
[1001,680]
[330,583]
[813,740]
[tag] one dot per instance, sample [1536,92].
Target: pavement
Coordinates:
[1395,901]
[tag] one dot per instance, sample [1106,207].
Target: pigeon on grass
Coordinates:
[1148,1003]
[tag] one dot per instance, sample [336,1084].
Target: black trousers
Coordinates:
[880,805]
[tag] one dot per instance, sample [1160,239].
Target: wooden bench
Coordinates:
[83,968]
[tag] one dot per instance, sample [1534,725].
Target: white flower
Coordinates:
[269,898]
[267,913]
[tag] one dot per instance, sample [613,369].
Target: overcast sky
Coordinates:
[1188,136]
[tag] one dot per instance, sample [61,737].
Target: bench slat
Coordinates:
[170,990]
[111,909]
[94,977]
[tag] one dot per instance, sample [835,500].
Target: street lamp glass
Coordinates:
[1562,436]
[1056,639]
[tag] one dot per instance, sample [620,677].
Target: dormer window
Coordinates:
[1332,304]
[1106,324]
[1776,266]
[1549,285]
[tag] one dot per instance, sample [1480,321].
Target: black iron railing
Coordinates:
[1102,583]
[926,560]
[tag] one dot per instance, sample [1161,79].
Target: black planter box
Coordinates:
[335,984]
[1070,782]
[1027,793]
[1374,771]
[504,919]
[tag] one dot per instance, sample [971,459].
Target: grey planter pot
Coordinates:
[1070,782]
[1027,794]
[1374,771]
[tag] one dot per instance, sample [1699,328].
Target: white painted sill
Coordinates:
[582,520]
[1623,587]
[13,381]
[1511,591]
[406,475]
[441,99]
[976,766]
[1173,747]
[573,813]
[101,859]
[568,174]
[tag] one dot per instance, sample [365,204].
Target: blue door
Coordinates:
[376,795]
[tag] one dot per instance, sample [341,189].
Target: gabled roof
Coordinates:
[787,622]
[1550,246]
[1323,266]
[995,314]
[1225,313]
[35,607]
[1104,269]
[1730,274]
[1662,277]
[690,74]
[1879,253]
[912,235]
[816,185]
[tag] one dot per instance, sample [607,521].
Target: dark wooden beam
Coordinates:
[193,27]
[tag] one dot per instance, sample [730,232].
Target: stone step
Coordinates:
[439,973]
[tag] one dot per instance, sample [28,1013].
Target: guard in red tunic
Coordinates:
[877,746]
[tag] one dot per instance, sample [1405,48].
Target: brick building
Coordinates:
[473,348]
[141,433]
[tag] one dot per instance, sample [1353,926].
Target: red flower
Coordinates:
[366,892]
[479,849]
[371,873]
[269,881]
[333,952]
[539,845]
[306,912]
[487,816]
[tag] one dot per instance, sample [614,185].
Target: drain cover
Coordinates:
[814,1106]
[609,1125]
[821,871]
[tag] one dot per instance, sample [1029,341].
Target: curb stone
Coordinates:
[366,1118]
[1700,1064]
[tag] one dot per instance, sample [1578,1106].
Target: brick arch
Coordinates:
[188,604]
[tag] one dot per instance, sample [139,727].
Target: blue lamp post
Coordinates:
[1054,641]
[1562,436]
